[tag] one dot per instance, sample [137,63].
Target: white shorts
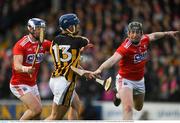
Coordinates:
[20,90]
[62,90]
[138,87]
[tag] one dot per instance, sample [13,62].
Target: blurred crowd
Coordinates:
[104,22]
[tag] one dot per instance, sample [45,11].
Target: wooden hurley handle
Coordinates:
[41,39]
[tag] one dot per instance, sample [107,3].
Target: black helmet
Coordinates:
[135,26]
[68,20]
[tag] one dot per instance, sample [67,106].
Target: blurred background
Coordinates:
[104,23]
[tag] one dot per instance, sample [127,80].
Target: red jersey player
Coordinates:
[132,56]
[22,85]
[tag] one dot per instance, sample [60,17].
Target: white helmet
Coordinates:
[35,22]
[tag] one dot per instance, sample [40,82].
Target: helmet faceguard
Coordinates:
[135,26]
[34,24]
[69,23]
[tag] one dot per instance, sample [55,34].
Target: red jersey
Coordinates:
[134,58]
[27,48]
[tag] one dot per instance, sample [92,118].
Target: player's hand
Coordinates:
[86,47]
[96,74]
[89,45]
[89,75]
[31,70]
[28,69]
[173,33]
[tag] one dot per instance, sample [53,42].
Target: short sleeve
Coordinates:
[83,41]
[147,39]
[121,50]
[18,49]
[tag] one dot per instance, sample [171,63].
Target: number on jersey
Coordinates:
[64,49]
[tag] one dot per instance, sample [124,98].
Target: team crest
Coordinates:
[30,58]
[140,57]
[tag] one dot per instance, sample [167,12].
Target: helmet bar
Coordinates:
[71,32]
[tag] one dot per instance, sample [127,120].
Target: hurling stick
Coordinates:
[105,83]
[41,39]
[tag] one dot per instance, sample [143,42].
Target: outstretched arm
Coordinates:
[157,35]
[108,63]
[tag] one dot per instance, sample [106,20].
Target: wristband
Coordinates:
[25,69]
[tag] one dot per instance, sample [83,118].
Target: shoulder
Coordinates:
[145,38]
[47,41]
[22,42]
[81,40]
[124,47]
[126,43]
[21,46]
[47,44]
[61,38]
[79,37]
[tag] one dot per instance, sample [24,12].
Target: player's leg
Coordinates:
[76,108]
[126,95]
[138,94]
[118,83]
[33,104]
[26,94]
[58,112]
[72,114]
[62,91]
[116,98]
[138,101]
[125,92]
[73,110]
[38,117]
[35,91]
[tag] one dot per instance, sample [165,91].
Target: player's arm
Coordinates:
[83,41]
[18,60]
[80,67]
[157,35]
[108,63]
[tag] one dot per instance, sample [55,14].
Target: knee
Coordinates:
[37,111]
[55,116]
[128,108]
[138,107]
[76,106]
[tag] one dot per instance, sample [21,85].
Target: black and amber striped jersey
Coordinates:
[65,51]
